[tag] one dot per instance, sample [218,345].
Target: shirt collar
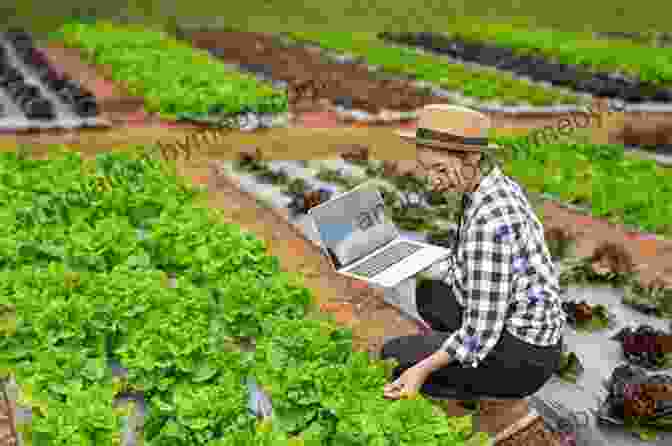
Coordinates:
[486,184]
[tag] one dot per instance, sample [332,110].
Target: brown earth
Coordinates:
[7,432]
[116,104]
[535,434]
[306,71]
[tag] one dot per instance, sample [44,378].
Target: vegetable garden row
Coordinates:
[31,90]
[574,75]
[602,180]
[418,212]
[176,80]
[85,250]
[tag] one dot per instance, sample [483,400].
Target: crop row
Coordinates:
[85,249]
[173,77]
[483,85]
[26,95]
[536,67]
[410,202]
[647,63]
[602,178]
[414,207]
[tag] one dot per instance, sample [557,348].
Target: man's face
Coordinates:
[446,171]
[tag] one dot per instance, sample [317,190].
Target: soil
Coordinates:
[653,258]
[115,103]
[7,433]
[303,68]
[535,434]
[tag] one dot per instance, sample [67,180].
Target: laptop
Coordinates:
[362,242]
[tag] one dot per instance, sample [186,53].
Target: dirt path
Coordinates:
[286,143]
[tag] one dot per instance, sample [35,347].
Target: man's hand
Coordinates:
[408,385]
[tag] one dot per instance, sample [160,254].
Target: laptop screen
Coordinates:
[353,225]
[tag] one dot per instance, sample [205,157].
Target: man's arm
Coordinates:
[486,271]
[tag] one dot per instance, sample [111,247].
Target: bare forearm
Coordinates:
[435,362]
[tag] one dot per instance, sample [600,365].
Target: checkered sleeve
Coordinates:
[486,281]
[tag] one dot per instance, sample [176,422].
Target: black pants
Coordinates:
[512,369]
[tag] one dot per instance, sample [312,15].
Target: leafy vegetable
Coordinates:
[631,191]
[172,77]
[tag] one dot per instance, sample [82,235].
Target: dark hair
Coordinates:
[488,162]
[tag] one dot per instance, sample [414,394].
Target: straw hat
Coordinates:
[451,128]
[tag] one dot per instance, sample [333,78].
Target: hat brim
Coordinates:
[411,137]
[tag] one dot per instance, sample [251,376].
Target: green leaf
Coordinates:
[204,373]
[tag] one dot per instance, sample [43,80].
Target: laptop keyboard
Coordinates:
[380,262]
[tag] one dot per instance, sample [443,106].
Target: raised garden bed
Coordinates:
[598,178]
[189,84]
[406,204]
[540,68]
[34,95]
[646,347]
[638,401]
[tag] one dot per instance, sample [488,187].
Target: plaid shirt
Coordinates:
[502,273]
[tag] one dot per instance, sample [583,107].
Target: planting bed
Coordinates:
[33,95]
[89,289]
[189,85]
[539,68]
